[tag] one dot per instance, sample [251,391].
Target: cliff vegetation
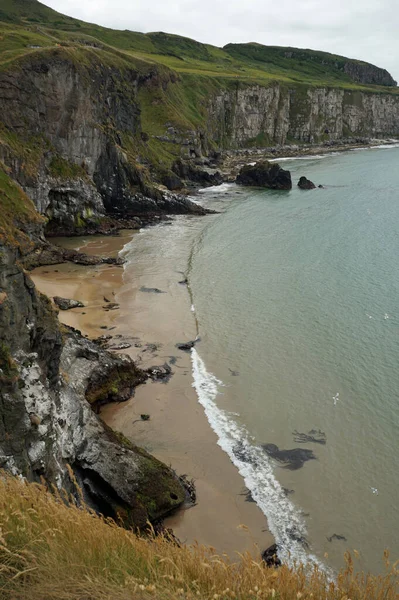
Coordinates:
[51,551]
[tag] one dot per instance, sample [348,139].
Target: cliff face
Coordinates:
[91,138]
[365,73]
[66,130]
[263,116]
[46,421]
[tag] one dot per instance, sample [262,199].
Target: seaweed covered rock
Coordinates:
[265,174]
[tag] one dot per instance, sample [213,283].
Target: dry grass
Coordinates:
[51,551]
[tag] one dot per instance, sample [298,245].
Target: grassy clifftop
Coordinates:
[25,24]
[49,551]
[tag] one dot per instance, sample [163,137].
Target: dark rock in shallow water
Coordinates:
[306,184]
[66,304]
[314,436]
[151,290]
[292,459]
[187,345]
[336,536]
[270,556]
[265,174]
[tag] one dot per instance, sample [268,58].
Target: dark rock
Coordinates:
[113,379]
[336,536]
[111,306]
[183,282]
[48,254]
[186,346]
[201,176]
[265,174]
[306,184]
[162,373]
[314,436]
[151,290]
[145,417]
[66,304]
[270,556]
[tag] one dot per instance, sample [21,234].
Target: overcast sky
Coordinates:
[363,29]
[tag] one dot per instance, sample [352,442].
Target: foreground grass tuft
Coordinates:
[49,550]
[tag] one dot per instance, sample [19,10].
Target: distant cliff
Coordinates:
[255,115]
[88,135]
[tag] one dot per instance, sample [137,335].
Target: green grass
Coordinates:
[25,23]
[16,212]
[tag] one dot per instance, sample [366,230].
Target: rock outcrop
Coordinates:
[265,174]
[47,374]
[67,303]
[305,184]
[64,123]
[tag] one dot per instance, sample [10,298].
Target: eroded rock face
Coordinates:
[75,116]
[263,116]
[265,174]
[46,421]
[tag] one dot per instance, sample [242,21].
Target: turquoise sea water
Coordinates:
[296,296]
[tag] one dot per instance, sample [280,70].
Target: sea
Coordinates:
[295,296]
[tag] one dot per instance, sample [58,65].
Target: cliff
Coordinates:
[96,126]
[46,374]
[257,115]
[94,123]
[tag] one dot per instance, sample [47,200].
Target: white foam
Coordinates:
[284,519]
[309,157]
[214,189]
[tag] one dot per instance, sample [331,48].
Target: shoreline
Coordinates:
[178,432]
[233,160]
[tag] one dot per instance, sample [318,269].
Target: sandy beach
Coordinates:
[177,432]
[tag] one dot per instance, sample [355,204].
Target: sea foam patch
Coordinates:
[284,518]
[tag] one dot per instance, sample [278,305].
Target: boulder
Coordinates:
[186,346]
[270,556]
[66,303]
[265,174]
[306,184]
[203,176]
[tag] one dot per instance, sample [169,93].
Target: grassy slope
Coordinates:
[51,552]
[17,213]
[28,22]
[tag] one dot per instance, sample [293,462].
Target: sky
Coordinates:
[362,29]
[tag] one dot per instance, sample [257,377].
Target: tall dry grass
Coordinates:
[51,551]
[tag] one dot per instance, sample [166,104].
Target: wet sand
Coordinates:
[178,432]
